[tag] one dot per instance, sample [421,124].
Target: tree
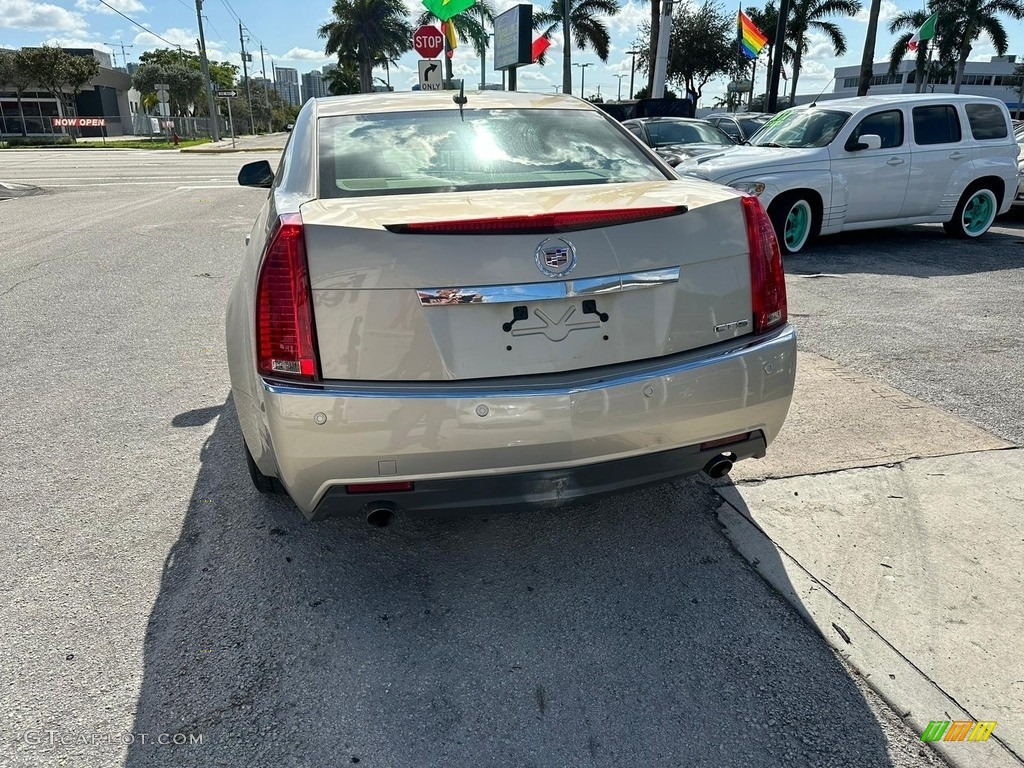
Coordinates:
[469,25]
[186,84]
[767,20]
[222,74]
[370,31]
[343,79]
[702,46]
[807,15]
[908,22]
[15,73]
[48,67]
[585,30]
[962,22]
[81,71]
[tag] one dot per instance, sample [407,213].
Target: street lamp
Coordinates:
[619,96]
[632,71]
[583,73]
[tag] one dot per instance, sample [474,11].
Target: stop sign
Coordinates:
[427,41]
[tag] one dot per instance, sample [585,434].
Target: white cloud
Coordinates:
[34,16]
[186,38]
[124,6]
[628,20]
[887,10]
[306,54]
[79,42]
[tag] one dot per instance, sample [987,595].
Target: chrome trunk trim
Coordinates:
[565,289]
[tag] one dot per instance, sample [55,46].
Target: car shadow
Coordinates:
[623,632]
[915,251]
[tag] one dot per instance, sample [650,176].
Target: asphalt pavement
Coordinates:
[152,596]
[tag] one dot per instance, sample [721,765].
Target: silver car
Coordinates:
[505,302]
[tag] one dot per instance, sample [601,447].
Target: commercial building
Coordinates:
[993,78]
[105,96]
[313,86]
[286,83]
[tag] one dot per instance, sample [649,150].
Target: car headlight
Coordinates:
[750,187]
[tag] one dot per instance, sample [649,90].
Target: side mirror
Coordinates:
[867,141]
[258,174]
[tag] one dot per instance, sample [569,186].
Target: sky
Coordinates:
[287,31]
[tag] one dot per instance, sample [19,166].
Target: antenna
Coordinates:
[461,98]
[815,102]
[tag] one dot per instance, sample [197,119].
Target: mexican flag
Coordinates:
[926,32]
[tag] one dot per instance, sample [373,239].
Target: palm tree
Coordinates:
[909,22]
[469,25]
[962,22]
[805,15]
[344,78]
[585,29]
[370,31]
[767,20]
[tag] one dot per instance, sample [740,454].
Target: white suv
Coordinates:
[876,161]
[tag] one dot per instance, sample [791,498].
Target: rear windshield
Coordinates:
[438,151]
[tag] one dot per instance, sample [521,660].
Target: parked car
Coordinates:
[739,126]
[1019,135]
[874,162]
[677,138]
[628,109]
[511,260]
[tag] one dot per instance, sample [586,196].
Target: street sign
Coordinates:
[227,94]
[162,95]
[427,42]
[162,86]
[430,75]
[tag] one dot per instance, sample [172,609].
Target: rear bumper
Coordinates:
[547,488]
[486,444]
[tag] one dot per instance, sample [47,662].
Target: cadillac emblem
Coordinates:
[556,257]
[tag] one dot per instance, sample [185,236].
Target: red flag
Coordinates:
[540,45]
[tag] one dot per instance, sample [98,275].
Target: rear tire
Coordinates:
[262,483]
[795,220]
[974,213]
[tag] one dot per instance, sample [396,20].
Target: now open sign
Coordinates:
[79,122]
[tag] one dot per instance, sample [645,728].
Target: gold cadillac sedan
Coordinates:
[504,302]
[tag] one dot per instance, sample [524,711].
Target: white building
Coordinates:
[993,78]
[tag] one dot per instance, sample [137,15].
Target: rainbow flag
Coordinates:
[752,39]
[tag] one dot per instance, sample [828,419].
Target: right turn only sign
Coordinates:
[430,75]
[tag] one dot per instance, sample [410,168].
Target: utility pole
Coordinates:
[618,96]
[204,67]
[245,74]
[266,93]
[632,71]
[583,73]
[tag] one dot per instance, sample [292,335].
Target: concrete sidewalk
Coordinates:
[270,142]
[910,567]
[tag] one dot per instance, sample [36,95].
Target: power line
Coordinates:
[133,21]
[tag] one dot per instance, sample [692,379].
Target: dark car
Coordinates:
[634,108]
[739,126]
[678,138]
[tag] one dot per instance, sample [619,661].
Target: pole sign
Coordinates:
[430,74]
[79,122]
[428,41]
[227,94]
[513,37]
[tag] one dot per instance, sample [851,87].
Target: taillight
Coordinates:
[767,280]
[284,307]
[539,224]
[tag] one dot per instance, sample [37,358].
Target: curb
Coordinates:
[908,692]
[198,151]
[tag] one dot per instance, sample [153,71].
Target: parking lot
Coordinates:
[151,592]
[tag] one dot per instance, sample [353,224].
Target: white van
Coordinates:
[876,161]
